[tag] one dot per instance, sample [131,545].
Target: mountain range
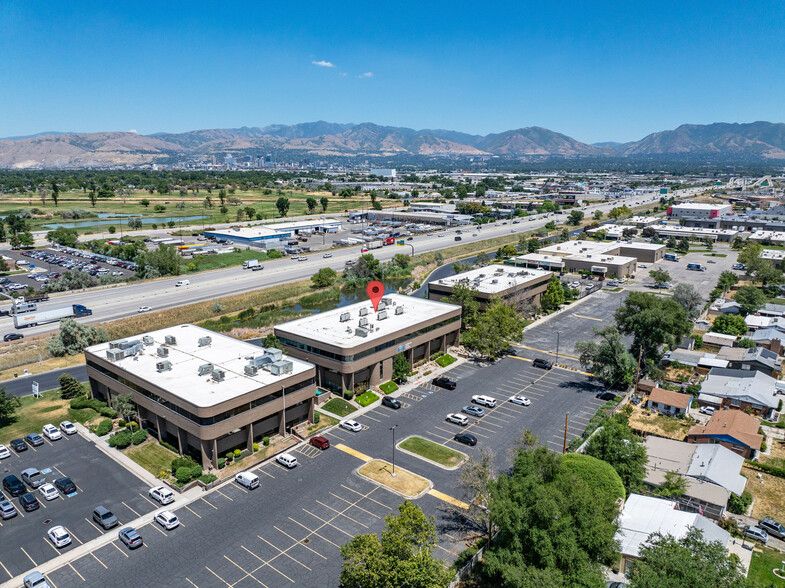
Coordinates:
[759,140]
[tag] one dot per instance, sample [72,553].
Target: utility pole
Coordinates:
[566,423]
[638,374]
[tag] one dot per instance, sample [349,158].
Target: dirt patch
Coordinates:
[404,482]
[659,425]
[769,494]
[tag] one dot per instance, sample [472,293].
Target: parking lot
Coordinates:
[99,480]
[704,281]
[289,530]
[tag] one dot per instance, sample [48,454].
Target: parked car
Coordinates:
[7,510]
[287,459]
[51,432]
[36,580]
[247,479]
[391,402]
[519,399]
[59,536]
[18,445]
[4,453]
[68,428]
[473,410]
[466,438]
[34,439]
[755,533]
[49,492]
[351,425]
[709,410]
[444,382]
[104,517]
[162,494]
[14,486]
[29,502]
[65,485]
[33,478]
[320,442]
[542,363]
[167,519]
[488,401]
[458,419]
[772,527]
[130,537]
[13,336]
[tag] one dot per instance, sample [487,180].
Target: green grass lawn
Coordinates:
[221,260]
[33,413]
[765,559]
[367,398]
[388,387]
[152,457]
[339,406]
[445,360]
[432,451]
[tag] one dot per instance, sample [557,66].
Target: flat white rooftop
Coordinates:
[643,246]
[673,229]
[327,327]
[254,232]
[303,224]
[186,356]
[763,235]
[494,279]
[700,206]
[772,254]
[577,248]
[552,260]
[642,220]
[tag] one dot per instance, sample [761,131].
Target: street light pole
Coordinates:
[558,333]
[393,449]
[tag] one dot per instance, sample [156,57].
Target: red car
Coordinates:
[320,442]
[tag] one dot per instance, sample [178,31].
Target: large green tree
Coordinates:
[730,324]
[575,217]
[607,358]
[688,297]
[617,445]
[495,330]
[750,299]
[553,297]
[660,276]
[63,236]
[324,277]
[403,556]
[464,296]
[8,405]
[282,204]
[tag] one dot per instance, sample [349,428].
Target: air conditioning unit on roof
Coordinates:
[399,309]
[163,366]
[205,369]
[170,340]
[205,341]
[163,352]
[345,316]
[147,340]
[218,375]
[381,315]
[363,311]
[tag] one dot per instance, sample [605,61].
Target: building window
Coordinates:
[735,402]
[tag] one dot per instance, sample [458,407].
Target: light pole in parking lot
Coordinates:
[558,333]
[393,449]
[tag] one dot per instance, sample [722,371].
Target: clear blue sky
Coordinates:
[594,70]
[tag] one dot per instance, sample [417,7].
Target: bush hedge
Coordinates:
[104,427]
[139,437]
[769,469]
[739,504]
[121,439]
[265,441]
[221,462]
[107,412]
[208,478]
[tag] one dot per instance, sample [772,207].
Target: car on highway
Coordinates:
[130,537]
[302,258]
[36,580]
[737,266]
[444,382]
[34,439]
[167,519]
[320,442]
[458,419]
[162,494]
[466,438]
[59,536]
[4,453]
[144,309]
[522,400]
[391,402]
[711,261]
[488,401]
[51,432]
[29,502]
[473,410]
[14,486]
[13,336]
[68,428]
[709,410]
[65,485]
[327,255]
[49,492]
[18,445]
[287,459]
[7,510]
[181,283]
[542,363]
[351,425]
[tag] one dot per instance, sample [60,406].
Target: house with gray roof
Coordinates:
[741,390]
[753,358]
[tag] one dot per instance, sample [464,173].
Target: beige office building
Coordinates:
[510,284]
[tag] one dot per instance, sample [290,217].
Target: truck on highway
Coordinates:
[37,297]
[671,257]
[389,241]
[374,244]
[696,267]
[32,319]
[250,263]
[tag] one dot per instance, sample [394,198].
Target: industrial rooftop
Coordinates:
[357,323]
[493,279]
[200,366]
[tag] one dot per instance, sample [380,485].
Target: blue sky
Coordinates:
[597,71]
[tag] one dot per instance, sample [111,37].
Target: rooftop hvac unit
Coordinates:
[163,352]
[205,341]
[361,332]
[205,369]
[251,370]
[345,316]
[274,352]
[115,354]
[116,344]
[399,310]
[363,322]
[381,305]
[363,311]
[147,340]
[282,367]
[163,366]
[494,281]
[381,315]
[219,375]
[128,344]
[387,300]
[170,340]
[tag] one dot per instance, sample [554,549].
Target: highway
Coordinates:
[122,301]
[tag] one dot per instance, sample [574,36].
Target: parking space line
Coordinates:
[94,527]
[203,500]
[28,556]
[449,499]
[328,523]
[361,508]
[476,433]
[261,471]
[282,552]
[437,435]
[224,495]
[488,424]
[247,574]
[132,510]
[367,416]
[492,416]
[6,570]
[217,576]
[313,533]
[148,500]
[192,512]
[75,572]
[268,564]
[98,560]
[443,430]
[154,526]
[118,549]
[49,543]
[296,542]
[340,513]
[450,551]
[366,496]
[191,583]
[591,318]
[353,452]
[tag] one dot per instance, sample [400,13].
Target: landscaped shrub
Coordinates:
[122,424]
[169,446]
[318,417]
[237,452]
[183,475]
[221,462]
[104,427]
[208,478]
[87,402]
[139,437]
[739,504]
[265,441]
[256,447]
[185,461]
[229,456]
[243,455]
[107,412]
[348,394]
[134,426]
[121,439]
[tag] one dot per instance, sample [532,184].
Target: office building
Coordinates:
[512,285]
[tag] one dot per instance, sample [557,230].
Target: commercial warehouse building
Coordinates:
[695,232]
[698,214]
[355,346]
[274,236]
[203,392]
[512,285]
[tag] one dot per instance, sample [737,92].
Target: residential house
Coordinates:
[726,306]
[756,321]
[694,359]
[719,339]
[771,339]
[668,402]
[734,429]
[740,389]
[770,309]
[754,358]
[644,515]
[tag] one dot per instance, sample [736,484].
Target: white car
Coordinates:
[4,453]
[522,400]
[483,400]
[575,285]
[67,427]
[642,265]
[351,425]
[709,410]
[162,494]
[59,536]
[144,309]
[49,492]
[327,255]
[458,419]
[182,283]
[287,459]
[247,479]
[167,519]
[51,432]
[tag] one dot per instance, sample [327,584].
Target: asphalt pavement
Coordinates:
[23,385]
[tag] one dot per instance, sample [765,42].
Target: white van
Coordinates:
[247,479]
[287,459]
[182,282]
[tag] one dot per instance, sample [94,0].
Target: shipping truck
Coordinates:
[32,319]
[389,241]
[250,263]
[696,267]
[671,257]
[374,244]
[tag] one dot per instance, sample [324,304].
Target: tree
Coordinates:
[575,217]
[63,236]
[494,330]
[401,367]
[465,297]
[272,341]
[324,277]
[73,337]
[282,204]
[674,485]
[163,261]
[750,298]
[533,244]
[3,265]
[750,254]
[660,276]
[730,324]
[125,406]
[688,297]
[653,321]
[746,343]
[620,211]
[476,479]
[482,259]
[8,405]
[686,563]
[506,251]
[617,445]
[553,297]
[311,204]
[402,557]
[607,358]
[69,387]
[323,202]
[134,223]
[727,280]
[93,197]
[597,215]
[144,202]
[683,246]
[55,192]
[550,226]
[25,239]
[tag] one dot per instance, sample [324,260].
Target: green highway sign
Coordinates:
[401,243]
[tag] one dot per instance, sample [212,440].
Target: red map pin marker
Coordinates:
[375,292]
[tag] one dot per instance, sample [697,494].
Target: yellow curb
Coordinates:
[353,452]
[447,498]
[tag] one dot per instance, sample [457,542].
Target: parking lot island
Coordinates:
[202,392]
[401,482]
